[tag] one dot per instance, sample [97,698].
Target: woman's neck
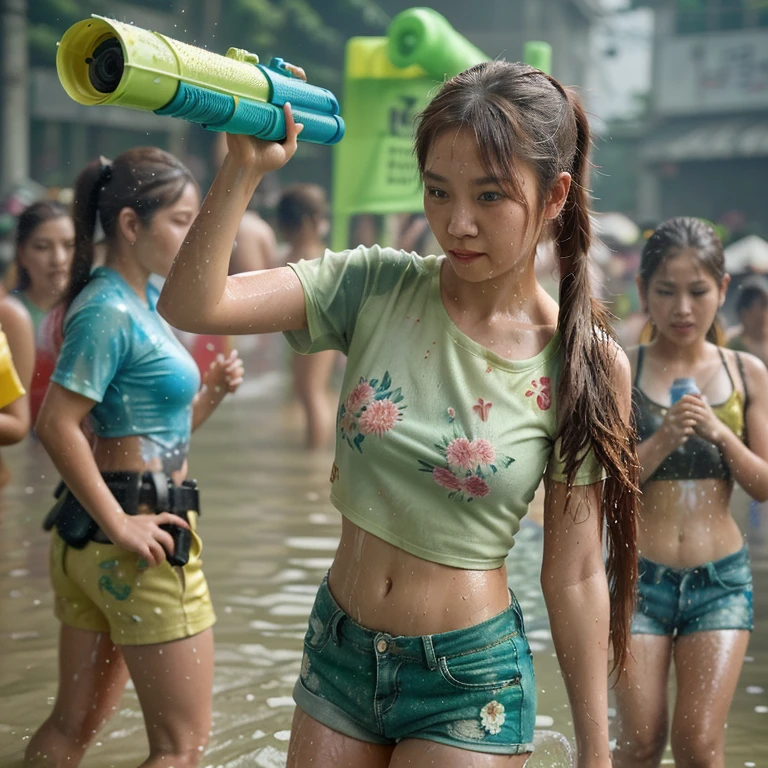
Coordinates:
[685,356]
[131,271]
[515,294]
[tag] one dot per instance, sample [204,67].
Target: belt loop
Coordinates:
[429,651]
[334,624]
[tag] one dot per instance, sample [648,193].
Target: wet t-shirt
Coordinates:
[119,352]
[440,443]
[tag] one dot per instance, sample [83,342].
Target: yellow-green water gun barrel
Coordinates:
[425,37]
[103,61]
[147,74]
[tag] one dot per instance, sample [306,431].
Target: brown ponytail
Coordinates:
[520,114]
[592,417]
[88,186]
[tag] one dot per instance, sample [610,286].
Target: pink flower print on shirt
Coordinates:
[446,478]
[371,408]
[470,463]
[543,391]
[475,486]
[359,397]
[481,408]
[378,417]
[459,454]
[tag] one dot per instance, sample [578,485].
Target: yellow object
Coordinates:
[10,384]
[104,588]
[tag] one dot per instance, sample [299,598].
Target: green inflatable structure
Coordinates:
[387,82]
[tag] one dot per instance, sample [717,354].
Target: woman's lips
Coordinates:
[465,256]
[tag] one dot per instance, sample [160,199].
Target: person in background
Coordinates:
[752,311]
[465,385]
[45,239]
[302,218]
[125,562]
[695,585]
[45,242]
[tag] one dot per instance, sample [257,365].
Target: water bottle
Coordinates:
[680,387]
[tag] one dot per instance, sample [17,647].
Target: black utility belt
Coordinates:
[132,490]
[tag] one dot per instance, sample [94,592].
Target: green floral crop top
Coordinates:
[440,443]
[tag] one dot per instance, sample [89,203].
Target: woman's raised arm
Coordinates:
[198,295]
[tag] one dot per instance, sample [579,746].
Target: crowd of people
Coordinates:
[437,456]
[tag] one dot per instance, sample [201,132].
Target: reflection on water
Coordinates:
[269,534]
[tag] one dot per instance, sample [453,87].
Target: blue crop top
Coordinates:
[119,352]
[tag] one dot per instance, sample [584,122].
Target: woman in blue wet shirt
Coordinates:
[695,585]
[127,510]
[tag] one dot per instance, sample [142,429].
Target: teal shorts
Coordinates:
[471,688]
[710,597]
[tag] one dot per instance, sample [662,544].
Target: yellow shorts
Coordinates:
[104,588]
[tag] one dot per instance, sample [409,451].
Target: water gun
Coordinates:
[103,61]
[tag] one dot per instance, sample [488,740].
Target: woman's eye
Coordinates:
[435,192]
[699,293]
[490,197]
[663,293]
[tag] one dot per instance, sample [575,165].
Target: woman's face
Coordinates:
[47,257]
[683,297]
[483,232]
[159,242]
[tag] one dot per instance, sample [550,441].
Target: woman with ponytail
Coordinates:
[465,386]
[701,413]
[123,400]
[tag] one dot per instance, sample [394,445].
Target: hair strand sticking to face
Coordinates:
[519,114]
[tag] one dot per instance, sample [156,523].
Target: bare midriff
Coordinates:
[685,523]
[124,454]
[389,590]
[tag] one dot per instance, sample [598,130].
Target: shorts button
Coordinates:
[382,646]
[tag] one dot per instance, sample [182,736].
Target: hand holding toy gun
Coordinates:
[102,61]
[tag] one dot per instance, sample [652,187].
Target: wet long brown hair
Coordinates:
[519,114]
[145,179]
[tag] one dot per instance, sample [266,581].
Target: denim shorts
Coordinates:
[679,601]
[470,688]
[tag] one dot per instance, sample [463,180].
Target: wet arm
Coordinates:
[198,294]
[575,589]
[58,427]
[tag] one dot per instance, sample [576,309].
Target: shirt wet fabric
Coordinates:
[440,443]
[119,352]
[696,458]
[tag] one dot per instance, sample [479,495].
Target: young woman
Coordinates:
[124,609]
[45,240]
[302,217]
[695,585]
[464,387]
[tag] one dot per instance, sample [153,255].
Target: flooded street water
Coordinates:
[269,534]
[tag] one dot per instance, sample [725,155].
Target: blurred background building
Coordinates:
[705,148]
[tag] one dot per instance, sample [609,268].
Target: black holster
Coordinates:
[131,490]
